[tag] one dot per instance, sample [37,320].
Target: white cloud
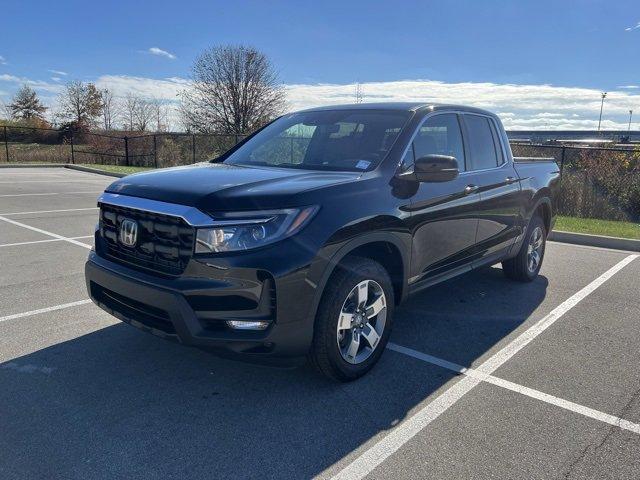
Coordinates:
[3,61]
[519,106]
[162,89]
[56,79]
[161,53]
[165,90]
[628,87]
[526,106]
[548,115]
[636,26]
[40,85]
[58,72]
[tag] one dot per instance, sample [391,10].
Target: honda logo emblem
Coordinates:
[128,232]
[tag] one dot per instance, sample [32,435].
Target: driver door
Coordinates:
[444,217]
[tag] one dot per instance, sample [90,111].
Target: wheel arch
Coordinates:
[542,204]
[385,248]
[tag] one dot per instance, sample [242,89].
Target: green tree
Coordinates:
[26,105]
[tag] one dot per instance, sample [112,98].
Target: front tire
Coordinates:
[353,322]
[526,265]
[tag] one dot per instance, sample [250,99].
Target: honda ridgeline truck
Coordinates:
[301,240]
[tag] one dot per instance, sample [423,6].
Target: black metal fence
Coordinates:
[46,145]
[597,182]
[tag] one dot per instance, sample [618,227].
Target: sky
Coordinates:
[537,63]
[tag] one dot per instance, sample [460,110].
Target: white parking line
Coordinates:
[405,431]
[66,173]
[47,194]
[44,232]
[514,387]
[589,247]
[48,211]
[49,240]
[44,310]
[4,172]
[17,182]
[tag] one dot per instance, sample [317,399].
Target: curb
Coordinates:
[63,165]
[615,243]
[32,165]
[94,170]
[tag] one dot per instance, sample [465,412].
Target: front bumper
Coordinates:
[194,310]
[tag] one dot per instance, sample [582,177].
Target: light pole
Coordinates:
[630,113]
[603,95]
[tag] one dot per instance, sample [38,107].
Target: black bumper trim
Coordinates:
[140,304]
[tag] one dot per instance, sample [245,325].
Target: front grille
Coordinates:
[164,243]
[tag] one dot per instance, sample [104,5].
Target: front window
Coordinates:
[352,140]
[440,135]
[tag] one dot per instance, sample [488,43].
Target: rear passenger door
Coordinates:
[499,188]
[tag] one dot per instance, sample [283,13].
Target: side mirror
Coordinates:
[436,168]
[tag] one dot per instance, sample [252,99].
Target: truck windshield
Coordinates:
[352,140]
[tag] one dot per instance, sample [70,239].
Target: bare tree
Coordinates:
[110,109]
[130,106]
[234,90]
[81,103]
[159,110]
[26,105]
[139,113]
[5,111]
[144,115]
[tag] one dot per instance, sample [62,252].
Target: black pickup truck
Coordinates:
[300,241]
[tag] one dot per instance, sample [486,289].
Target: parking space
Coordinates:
[71,223]
[552,391]
[598,344]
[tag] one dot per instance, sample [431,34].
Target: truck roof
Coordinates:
[402,106]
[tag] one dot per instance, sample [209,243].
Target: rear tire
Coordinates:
[354,318]
[526,265]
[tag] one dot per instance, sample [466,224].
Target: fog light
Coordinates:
[239,325]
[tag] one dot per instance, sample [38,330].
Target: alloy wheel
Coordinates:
[362,321]
[534,249]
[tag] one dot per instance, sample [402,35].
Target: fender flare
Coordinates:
[349,247]
[541,199]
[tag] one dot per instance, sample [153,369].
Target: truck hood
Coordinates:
[220,187]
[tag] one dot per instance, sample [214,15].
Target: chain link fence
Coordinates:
[597,182]
[158,150]
[33,145]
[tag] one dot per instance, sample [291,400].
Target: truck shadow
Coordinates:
[118,403]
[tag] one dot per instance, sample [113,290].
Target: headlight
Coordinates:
[245,230]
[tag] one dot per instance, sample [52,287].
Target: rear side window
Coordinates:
[480,135]
[496,142]
[440,135]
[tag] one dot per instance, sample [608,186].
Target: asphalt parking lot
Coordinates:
[485,378]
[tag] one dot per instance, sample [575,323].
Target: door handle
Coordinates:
[510,180]
[470,189]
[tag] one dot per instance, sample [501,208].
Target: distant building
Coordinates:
[577,136]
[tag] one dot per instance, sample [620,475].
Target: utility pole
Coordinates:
[359,93]
[630,114]
[603,95]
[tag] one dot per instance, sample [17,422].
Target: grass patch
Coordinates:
[116,168]
[595,226]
